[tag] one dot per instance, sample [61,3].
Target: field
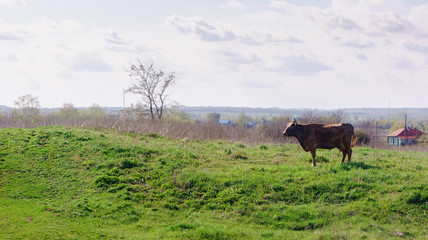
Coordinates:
[73,183]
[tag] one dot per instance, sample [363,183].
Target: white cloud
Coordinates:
[402,63]
[416,47]
[204,30]
[343,23]
[235,4]
[355,43]
[245,57]
[89,62]
[419,17]
[361,56]
[9,36]
[11,58]
[391,23]
[8,3]
[236,58]
[303,66]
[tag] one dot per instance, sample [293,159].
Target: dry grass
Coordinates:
[267,133]
[271,132]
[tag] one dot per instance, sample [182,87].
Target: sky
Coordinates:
[320,54]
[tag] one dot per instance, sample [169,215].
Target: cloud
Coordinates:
[402,63]
[419,17]
[204,30]
[361,56]
[416,47]
[239,59]
[9,36]
[275,38]
[356,43]
[119,43]
[390,23]
[235,4]
[11,58]
[89,62]
[288,7]
[343,23]
[9,3]
[303,66]
[217,32]
[114,38]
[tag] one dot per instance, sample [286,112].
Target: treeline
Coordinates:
[177,123]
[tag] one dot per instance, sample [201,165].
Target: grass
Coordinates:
[69,183]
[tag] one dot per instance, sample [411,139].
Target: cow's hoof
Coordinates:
[314,165]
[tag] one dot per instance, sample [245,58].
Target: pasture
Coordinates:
[73,183]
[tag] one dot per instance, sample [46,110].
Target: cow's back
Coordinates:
[330,135]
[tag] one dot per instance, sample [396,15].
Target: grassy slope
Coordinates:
[66,183]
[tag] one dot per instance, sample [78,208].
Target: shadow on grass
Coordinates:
[355,165]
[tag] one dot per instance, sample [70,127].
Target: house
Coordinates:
[403,136]
[224,122]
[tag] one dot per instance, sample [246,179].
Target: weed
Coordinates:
[106,181]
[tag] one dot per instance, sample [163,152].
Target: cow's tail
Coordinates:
[354,142]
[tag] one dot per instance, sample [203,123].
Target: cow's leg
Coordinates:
[313,152]
[344,155]
[349,154]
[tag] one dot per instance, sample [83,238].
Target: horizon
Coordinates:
[289,54]
[247,107]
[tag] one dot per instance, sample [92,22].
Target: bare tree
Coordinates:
[68,111]
[337,116]
[151,85]
[308,116]
[28,105]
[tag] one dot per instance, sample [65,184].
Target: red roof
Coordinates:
[411,133]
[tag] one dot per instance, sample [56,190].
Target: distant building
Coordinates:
[403,137]
[224,122]
[251,124]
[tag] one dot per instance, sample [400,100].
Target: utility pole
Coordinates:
[405,128]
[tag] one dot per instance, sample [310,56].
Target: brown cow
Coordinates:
[313,136]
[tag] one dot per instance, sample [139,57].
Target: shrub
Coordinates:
[363,137]
[419,197]
[106,181]
[127,163]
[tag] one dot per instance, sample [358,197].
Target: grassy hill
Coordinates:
[65,183]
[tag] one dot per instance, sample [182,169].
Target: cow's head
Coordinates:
[291,128]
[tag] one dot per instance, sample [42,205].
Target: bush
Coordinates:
[105,181]
[127,163]
[363,137]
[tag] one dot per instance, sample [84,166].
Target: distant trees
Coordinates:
[308,116]
[337,116]
[151,85]
[311,116]
[213,117]
[175,114]
[243,119]
[397,125]
[94,112]
[28,106]
[68,111]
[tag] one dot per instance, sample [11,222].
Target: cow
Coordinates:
[329,136]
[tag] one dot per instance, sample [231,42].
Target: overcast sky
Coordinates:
[289,54]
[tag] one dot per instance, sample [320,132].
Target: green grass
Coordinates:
[65,183]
